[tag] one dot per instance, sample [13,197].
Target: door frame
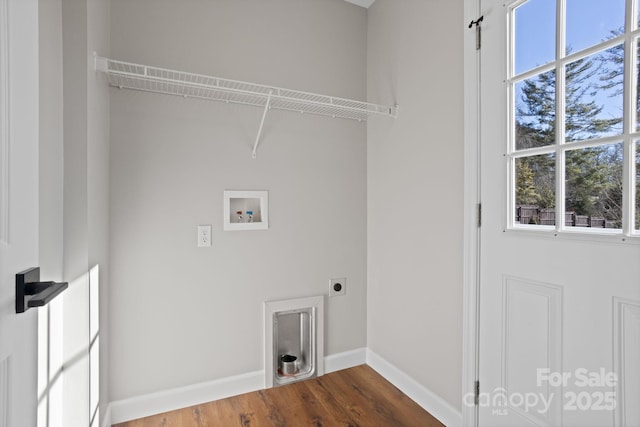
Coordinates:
[4,122]
[471,243]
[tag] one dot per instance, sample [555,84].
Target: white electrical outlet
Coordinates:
[338,287]
[204,235]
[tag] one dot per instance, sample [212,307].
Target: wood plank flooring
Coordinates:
[353,397]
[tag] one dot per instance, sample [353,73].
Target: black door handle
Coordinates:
[31,292]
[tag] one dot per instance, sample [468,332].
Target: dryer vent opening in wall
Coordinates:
[294,338]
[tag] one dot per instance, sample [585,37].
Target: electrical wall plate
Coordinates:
[204,236]
[338,287]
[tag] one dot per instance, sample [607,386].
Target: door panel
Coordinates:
[19,245]
[532,317]
[558,307]
[626,353]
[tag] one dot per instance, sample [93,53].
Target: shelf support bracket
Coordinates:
[264,116]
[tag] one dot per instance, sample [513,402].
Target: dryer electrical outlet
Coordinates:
[338,287]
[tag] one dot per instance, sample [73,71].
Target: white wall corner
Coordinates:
[106,421]
[362,3]
[427,399]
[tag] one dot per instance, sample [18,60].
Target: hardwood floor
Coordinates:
[356,396]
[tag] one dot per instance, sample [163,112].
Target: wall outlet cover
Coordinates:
[204,236]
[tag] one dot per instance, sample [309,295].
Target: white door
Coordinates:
[18,207]
[560,248]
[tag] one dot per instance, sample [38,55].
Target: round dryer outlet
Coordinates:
[338,287]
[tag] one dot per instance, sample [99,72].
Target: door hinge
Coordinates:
[479,215]
[478,31]
[476,398]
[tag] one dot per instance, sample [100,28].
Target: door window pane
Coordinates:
[535,34]
[589,22]
[636,91]
[594,95]
[535,107]
[535,195]
[592,107]
[593,187]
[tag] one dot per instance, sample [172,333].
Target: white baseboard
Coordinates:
[169,400]
[348,359]
[431,402]
[182,397]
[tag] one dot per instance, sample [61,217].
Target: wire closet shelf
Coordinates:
[127,75]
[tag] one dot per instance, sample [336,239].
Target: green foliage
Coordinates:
[535,181]
[526,193]
[594,182]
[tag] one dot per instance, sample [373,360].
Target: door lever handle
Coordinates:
[31,292]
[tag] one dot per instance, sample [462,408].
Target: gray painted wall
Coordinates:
[414,289]
[180,314]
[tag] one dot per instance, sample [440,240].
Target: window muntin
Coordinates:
[581,136]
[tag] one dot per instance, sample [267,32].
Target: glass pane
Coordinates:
[535,189]
[535,111]
[535,34]
[593,193]
[594,95]
[590,22]
[636,94]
